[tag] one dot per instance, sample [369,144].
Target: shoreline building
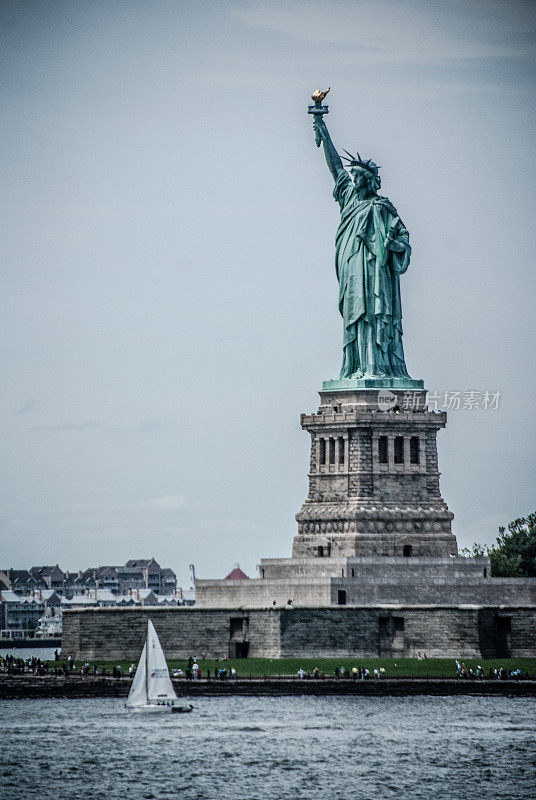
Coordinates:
[39,614]
[32,601]
[141,573]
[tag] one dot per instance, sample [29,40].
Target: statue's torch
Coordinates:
[318,110]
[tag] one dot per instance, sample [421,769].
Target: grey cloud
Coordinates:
[403,32]
[68,426]
[29,406]
[143,426]
[154,425]
[170,502]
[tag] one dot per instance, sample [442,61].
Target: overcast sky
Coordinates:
[169,295]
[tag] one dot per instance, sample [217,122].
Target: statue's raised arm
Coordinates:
[322,134]
[333,159]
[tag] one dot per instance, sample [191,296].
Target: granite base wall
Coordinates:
[259,593]
[369,581]
[386,630]
[438,590]
[114,633]
[440,632]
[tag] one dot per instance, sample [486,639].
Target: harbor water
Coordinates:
[44,653]
[271,749]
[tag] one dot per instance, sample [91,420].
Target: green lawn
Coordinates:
[394,667]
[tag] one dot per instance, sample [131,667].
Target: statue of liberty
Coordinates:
[372,251]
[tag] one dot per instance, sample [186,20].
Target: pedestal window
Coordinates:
[332,451]
[383,456]
[322,451]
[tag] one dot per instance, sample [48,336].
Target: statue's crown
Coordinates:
[357,161]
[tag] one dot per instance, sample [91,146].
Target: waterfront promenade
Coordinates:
[78,686]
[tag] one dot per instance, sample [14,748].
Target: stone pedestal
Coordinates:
[373,479]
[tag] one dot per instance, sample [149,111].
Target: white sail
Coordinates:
[137,696]
[159,686]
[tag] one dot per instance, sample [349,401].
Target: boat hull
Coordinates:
[149,708]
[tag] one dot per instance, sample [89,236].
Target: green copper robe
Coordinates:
[369,285]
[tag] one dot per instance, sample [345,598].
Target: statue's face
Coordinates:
[360,178]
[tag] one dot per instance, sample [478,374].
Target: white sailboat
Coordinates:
[151,688]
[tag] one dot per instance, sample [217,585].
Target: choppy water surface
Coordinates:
[271,749]
[44,653]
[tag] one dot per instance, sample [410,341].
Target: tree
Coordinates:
[477,551]
[514,554]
